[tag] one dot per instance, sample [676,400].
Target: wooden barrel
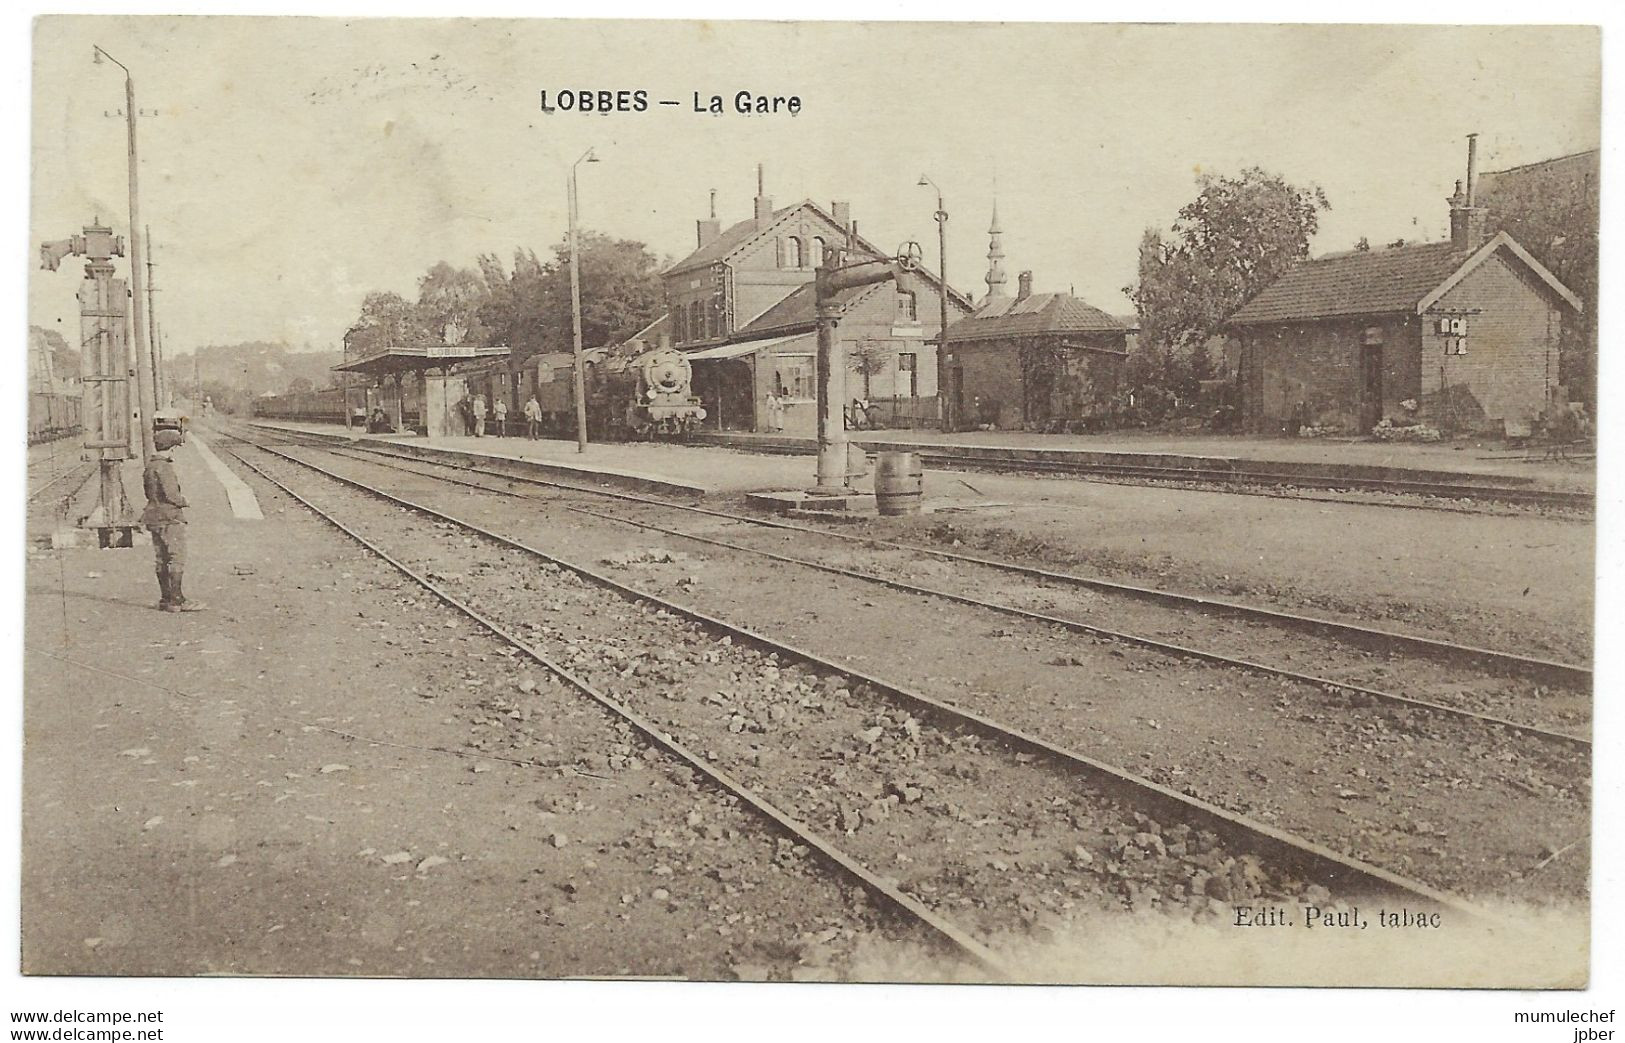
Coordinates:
[899,480]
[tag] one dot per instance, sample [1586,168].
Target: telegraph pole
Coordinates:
[152,329]
[146,403]
[575,309]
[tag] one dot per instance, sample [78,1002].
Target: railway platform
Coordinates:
[652,467]
[1456,462]
[301,779]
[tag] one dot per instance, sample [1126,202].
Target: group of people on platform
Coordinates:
[477,417]
[859,416]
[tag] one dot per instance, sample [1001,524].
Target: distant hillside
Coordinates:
[52,363]
[256,367]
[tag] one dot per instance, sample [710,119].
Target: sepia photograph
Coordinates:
[811,502]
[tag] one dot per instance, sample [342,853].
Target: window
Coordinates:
[907,307]
[696,321]
[908,373]
[796,376]
[815,252]
[791,253]
[679,323]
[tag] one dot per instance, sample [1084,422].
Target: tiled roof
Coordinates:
[798,309]
[739,234]
[725,244]
[1035,315]
[1361,282]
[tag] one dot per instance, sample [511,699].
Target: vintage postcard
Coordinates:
[811,501]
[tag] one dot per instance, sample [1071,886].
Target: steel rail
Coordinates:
[1310,859]
[1264,669]
[1079,626]
[1232,476]
[1364,636]
[1219,476]
[797,831]
[40,490]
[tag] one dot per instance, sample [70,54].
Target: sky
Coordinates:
[295,164]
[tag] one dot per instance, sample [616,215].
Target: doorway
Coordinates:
[955,419]
[1370,387]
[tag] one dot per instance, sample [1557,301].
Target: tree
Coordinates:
[450,299]
[387,320]
[529,307]
[1238,236]
[869,358]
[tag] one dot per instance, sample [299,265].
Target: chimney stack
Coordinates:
[709,228]
[764,205]
[1468,220]
[842,212]
[1024,286]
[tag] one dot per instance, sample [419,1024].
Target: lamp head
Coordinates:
[96,55]
[924,181]
[592,157]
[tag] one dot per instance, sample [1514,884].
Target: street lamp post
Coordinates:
[942,273]
[146,403]
[575,308]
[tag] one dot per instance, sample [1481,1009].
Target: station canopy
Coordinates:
[417,358]
[733,351]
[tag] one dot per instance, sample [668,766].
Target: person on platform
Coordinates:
[479,415]
[775,411]
[499,411]
[533,417]
[165,518]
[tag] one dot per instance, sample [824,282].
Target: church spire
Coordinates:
[995,256]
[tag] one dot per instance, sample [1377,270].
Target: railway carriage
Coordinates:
[53,415]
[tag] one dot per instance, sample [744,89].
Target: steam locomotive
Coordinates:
[647,395]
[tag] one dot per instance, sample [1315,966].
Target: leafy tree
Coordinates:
[869,359]
[387,320]
[528,308]
[1238,236]
[452,297]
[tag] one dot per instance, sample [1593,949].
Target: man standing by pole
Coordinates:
[165,518]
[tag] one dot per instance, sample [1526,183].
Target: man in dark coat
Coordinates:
[165,518]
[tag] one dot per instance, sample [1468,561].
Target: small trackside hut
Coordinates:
[1462,335]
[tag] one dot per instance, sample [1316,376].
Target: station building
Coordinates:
[1033,362]
[1461,334]
[741,308]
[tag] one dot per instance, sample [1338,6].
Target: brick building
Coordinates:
[1034,362]
[741,308]
[1467,329]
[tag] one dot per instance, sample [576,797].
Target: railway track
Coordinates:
[1310,860]
[37,490]
[1439,496]
[952,935]
[1243,478]
[1386,642]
